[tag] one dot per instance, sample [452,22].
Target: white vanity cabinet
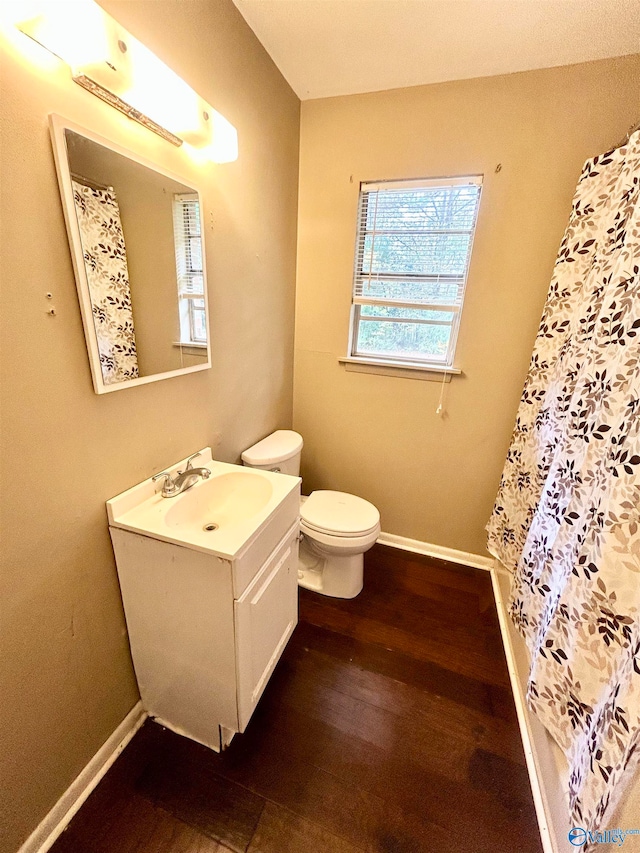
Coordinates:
[203,658]
[206,629]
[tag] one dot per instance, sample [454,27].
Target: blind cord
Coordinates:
[440,408]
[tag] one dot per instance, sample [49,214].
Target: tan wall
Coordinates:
[66,677]
[434,479]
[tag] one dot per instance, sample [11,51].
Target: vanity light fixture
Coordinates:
[112,64]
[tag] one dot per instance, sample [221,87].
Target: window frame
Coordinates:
[185,273]
[359,275]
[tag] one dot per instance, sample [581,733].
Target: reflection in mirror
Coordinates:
[136,237]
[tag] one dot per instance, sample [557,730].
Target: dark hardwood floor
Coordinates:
[388,726]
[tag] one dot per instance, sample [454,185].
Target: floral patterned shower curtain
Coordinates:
[567,516]
[105,261]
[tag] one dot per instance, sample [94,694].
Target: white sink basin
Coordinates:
[219,515]
[221,500]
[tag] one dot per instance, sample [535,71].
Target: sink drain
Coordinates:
[209,527]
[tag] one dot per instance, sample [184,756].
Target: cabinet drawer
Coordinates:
[265,617]
[261,547]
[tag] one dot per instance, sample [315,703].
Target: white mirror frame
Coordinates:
[58,126]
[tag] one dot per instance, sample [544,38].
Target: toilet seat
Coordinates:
[327,543]
[338,514]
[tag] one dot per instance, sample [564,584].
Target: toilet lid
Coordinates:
[339,513]
[277,447]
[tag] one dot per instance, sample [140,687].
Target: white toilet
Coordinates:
[337,528]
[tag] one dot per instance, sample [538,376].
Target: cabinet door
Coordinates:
[265,617]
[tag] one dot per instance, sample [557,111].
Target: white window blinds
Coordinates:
[413,249]
[188,239]
[189,267]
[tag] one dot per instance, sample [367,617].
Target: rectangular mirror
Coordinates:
[136,238]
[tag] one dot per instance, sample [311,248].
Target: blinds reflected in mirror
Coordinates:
[189,267]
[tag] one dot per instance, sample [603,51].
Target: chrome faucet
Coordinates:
[183,480]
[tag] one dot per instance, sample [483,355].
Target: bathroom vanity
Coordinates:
[209,586]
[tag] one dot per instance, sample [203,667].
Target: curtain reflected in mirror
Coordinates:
[140,261]
[105,259]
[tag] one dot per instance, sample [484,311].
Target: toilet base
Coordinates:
[328,574]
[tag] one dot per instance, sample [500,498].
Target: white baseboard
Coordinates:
[525,720]
[43,837]
[546,764]
[438,551]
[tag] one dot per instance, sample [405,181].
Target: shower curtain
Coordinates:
[567,516]
[105,261]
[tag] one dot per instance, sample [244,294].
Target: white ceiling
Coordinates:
[342,47]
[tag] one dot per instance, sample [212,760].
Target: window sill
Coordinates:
[404,369]
[189,344]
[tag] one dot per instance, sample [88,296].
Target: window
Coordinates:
[412,255]
[188,239]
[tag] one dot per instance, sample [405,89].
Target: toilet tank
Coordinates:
[279,451]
